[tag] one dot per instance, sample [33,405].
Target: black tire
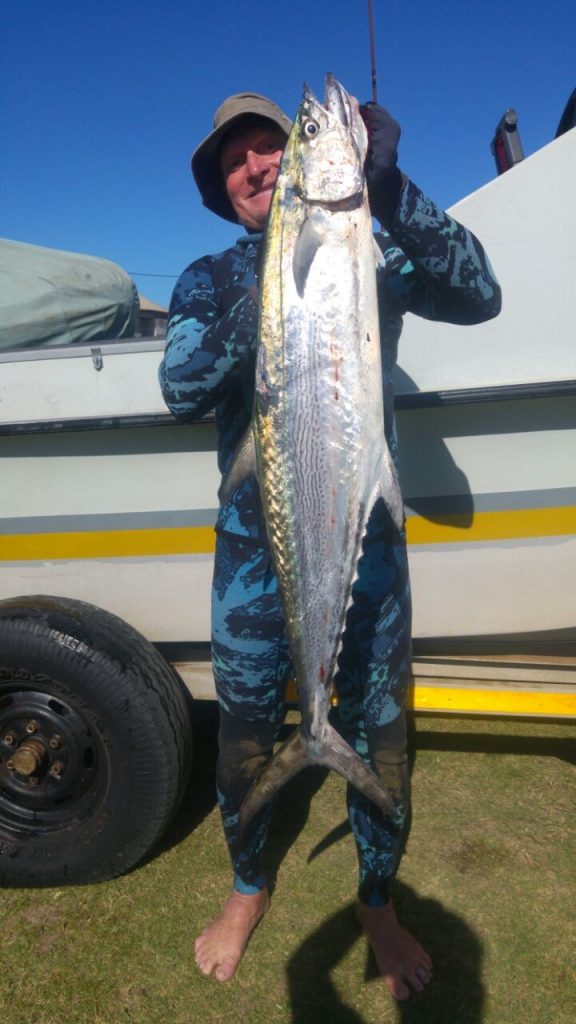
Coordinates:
[98,724]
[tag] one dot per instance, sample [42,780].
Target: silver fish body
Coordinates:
[318,424]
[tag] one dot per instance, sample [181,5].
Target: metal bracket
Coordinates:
[97,359]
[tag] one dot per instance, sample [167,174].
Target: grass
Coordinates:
[487,884]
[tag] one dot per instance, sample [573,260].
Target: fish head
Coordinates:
[327,147]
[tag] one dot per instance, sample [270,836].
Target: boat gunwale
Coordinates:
[403,401]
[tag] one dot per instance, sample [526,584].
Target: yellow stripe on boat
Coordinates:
[196,540]
[542,702]
[490,700]
[507,525]
[178,540]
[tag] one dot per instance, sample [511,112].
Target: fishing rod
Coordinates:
[372,49]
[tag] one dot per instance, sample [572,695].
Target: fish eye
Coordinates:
[310,129]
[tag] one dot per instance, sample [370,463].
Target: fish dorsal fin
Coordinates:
[307,245]
[243,465]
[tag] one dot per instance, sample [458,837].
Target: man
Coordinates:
[433,267]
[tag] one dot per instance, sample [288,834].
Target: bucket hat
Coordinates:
[205,162]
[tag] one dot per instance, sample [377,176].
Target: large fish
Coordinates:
[317,431]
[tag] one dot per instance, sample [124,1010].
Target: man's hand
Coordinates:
[383,176]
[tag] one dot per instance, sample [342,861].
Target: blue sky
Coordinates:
[102,102]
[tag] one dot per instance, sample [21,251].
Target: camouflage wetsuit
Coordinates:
[437,269]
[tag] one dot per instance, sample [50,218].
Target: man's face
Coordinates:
[250,159]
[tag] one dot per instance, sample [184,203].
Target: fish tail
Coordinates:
[333,752]
[339,755]
[287,762]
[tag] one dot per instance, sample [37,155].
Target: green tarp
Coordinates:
[49,297]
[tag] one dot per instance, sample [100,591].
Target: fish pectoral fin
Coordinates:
[243,466]
[389,489]
[287,762]
[307,245]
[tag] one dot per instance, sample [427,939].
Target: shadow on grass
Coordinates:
[561,747]
[293,802]
[200,796]
[456,993]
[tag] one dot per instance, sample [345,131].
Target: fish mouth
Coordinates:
[337,101]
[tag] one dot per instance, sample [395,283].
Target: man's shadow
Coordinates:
[454,996]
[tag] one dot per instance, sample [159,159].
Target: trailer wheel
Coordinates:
[95,743]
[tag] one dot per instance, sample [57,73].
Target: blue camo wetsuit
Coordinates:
[437,269]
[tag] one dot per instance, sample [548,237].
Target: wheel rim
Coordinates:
[53,763]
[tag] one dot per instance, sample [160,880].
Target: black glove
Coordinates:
[383,176]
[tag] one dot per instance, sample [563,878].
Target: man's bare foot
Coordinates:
[404,965]
[220,947]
